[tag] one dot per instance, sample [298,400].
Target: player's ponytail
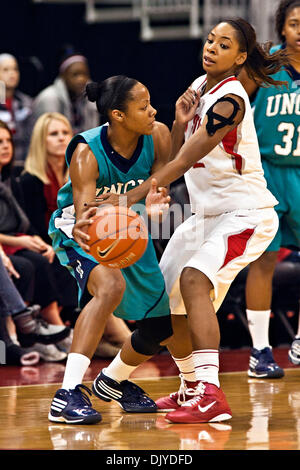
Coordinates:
[92,91]
[112,93]
[260,64]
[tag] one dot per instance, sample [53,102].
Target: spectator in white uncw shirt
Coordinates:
[15,107]
[66,95]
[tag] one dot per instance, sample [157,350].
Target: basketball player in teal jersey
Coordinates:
[114,157]
[276,116]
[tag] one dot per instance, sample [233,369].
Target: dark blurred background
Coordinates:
[35,33]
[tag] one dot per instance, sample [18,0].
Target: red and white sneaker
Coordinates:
[209,405]
[174,401]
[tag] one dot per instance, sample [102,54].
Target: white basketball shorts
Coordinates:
[218,246]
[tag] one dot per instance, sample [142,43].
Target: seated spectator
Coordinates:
[19,324]
[45,170]
[16,112]
[19,239]
[15,354]
[66,94]
[45,173]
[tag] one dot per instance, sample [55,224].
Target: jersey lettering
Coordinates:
[288,103]
[283,104]
[118,188]
[288,129]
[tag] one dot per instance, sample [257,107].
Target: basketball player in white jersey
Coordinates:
[216,148]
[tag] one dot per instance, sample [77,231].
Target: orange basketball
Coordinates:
[118,237]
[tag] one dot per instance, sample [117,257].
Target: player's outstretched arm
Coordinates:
[221,118]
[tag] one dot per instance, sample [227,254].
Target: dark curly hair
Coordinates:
[285,6]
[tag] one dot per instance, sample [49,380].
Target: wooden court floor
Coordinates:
[266,416]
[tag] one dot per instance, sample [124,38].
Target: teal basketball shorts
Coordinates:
[284,184]
[145,294]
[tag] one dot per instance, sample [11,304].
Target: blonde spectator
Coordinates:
[45,169]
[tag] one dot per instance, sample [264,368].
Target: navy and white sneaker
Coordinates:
[263,366]
[294,352]
[128,395]
[73,407]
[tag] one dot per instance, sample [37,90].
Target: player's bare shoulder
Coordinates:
[162,141]
[228,110]
[84,156]
[83,161]
[160,130]
[230,104]
[161,134]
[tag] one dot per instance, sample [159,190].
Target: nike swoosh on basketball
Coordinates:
[205,408]
[103,253]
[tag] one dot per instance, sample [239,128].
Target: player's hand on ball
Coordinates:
[157,202]
[118,236]
[80,228]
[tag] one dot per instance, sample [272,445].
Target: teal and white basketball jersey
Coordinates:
[145,294]
[277,119]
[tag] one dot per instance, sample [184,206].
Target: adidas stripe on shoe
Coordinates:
[128,395]
[263,366]
[294,352]
[73,407]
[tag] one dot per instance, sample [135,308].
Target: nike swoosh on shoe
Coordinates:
[205,408]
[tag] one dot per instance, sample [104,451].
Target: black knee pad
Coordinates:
[149,333]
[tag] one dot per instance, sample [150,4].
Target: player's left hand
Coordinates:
[186,106]
[108,199]
[157,202]
[80,228]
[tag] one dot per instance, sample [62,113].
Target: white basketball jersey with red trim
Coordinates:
[230,177]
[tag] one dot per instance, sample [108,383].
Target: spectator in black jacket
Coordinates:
[20,240]
[20,326]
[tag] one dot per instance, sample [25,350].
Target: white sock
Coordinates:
[76,367]
[207,365]
[258,322]
[186,367]
[118,370]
